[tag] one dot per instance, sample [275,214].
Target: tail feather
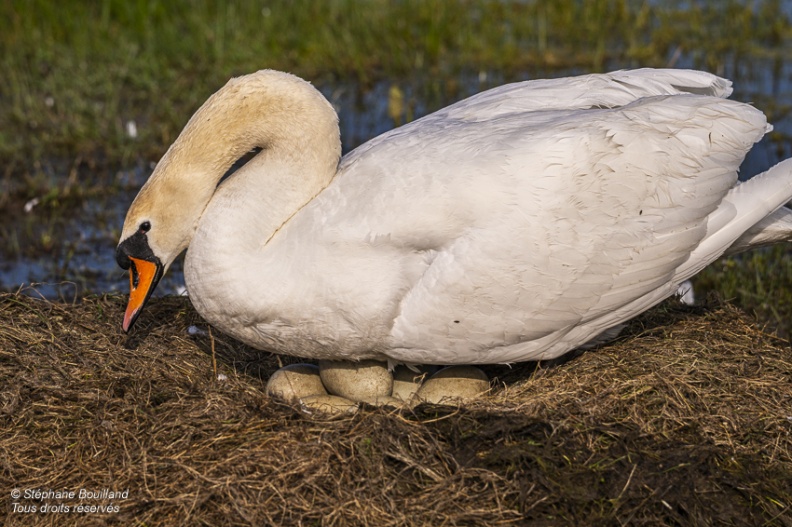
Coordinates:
[744,207]
[776,228]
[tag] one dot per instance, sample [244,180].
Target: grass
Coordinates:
[683,421]
[761,281]
[68,93]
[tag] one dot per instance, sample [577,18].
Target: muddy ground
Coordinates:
[685,420]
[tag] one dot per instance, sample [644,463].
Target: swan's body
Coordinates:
[515,225]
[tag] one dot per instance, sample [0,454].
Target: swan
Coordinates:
[515,225]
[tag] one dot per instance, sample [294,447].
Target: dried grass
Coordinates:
[686,420]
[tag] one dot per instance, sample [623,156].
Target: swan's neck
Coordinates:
[286,117]
[277,112]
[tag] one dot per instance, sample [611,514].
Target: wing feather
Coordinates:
[599,260]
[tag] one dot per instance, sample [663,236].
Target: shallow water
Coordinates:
[80,251]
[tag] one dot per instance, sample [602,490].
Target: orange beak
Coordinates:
[143,277]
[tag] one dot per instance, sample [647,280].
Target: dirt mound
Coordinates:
[686,420]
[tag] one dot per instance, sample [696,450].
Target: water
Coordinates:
[80,258]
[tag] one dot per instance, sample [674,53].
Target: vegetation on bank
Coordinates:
[759,281]
[75,74]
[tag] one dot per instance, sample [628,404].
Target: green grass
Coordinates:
[75,72]
[760,281]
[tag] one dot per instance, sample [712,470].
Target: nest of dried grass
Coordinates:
[686,420]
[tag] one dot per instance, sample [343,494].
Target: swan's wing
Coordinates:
[544,97]
[521,236]
[605,90]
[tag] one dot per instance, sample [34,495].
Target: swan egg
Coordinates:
[453,385]
[406,382]
[294,382]
[356,380]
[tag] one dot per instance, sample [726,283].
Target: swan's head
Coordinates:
[273,111]
[158,227]
[145,270]
[143,251]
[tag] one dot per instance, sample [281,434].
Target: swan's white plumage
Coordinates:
[515,225]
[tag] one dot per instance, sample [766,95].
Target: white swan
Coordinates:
[515,225]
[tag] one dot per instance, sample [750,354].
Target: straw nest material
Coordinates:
[685,420]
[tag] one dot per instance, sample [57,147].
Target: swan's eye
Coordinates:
[145,226]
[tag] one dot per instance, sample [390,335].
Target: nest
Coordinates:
[685,420]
